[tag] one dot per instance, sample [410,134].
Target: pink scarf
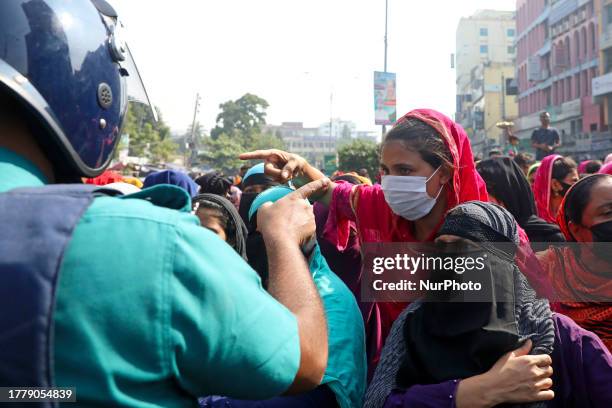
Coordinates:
[542,187]
[606,169]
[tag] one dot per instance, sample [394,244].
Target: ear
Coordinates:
[446,174]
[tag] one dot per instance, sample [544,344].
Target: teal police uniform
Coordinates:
[154,310]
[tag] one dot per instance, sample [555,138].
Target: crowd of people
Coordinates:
[218,291]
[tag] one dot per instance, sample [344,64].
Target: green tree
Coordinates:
[162,151]
[198,138]
[266,141]
[222,153]
[148,138]
[359,154]
[241,118]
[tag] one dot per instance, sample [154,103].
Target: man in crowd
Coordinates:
[132,303]
[545,139]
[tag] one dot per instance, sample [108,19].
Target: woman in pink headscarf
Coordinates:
[428,169]
[554,177]
[606,168]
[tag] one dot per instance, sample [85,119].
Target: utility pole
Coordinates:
[503,97]
[331,102]
[384,128]
[191,141]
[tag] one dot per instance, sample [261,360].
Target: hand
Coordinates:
[280,165]
[291,218]
[519,377]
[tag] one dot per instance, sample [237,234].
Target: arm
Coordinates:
[227,335]
[284,226]
[515,377]
[283,166]
[291,284]
[557,142]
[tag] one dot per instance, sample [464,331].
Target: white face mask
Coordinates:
[407,195]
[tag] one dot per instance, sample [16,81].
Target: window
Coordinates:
[510,49]
[484,32]
[608,14]
[511,32]
[484,49]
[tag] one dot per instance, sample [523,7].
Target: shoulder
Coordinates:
[156,205]
[569,333]
[369,194]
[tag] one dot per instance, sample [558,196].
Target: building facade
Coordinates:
[314,144]
[602,85]
[558,58]
[485,57]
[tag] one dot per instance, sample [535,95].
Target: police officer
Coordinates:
[131,303]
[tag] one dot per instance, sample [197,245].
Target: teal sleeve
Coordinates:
[228,335]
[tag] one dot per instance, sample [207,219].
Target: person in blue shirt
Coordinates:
[128,299]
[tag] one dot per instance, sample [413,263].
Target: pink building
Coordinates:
[557,59]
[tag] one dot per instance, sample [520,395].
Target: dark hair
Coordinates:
[562,167]
[524,159]
[214,183]
[224,218]
[593,167]
[348,178]
[506,181]
[495,152]
[578,197]
[422,138]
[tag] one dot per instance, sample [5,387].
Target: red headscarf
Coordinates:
[542,187]
[375,220]
[105,178]
[572,279]
[377,223]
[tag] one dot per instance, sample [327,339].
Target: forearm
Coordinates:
[309,174]
[473,392]
[290,282]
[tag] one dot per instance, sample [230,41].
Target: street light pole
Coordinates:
[384,128]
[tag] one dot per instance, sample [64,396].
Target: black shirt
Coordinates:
[549,136]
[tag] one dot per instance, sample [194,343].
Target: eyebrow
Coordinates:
[603,206]
[402,166]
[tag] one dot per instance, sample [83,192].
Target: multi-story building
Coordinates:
[316,143]
[557,59]
[492,101]
[601,143]
[485,71]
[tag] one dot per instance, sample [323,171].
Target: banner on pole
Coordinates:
[385,112]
